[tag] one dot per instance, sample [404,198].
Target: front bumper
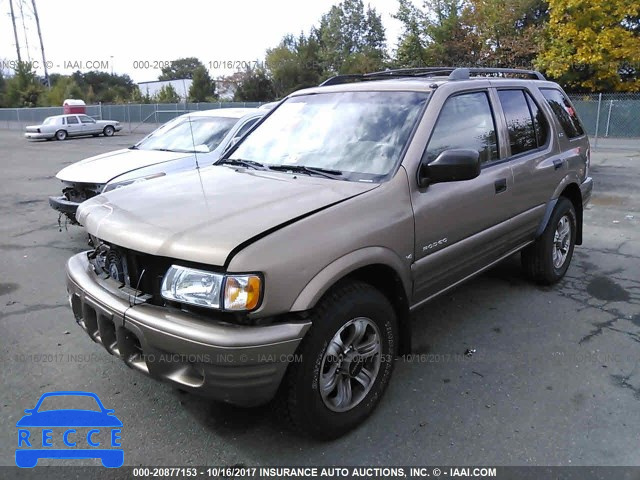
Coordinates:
[38,135]
[586,188]
[63,205]
[238,364]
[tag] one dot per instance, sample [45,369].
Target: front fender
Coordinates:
[343,266]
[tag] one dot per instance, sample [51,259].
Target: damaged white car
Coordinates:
[177,145]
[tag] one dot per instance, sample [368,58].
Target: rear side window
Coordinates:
[563,110]
[71,120]
[522,134]
[525,122]
[465,121]
[539,121]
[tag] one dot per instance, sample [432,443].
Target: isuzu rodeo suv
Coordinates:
[290,269]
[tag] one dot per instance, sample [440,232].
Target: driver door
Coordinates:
[458,224]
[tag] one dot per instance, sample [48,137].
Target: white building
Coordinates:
[180,86]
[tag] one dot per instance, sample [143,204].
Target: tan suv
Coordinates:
[290,268]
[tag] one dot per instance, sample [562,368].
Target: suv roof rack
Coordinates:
[454,73]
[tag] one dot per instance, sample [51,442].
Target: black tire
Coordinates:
[61,135]
[109,131]
[538,258]
[300,401]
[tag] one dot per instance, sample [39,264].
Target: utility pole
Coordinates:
[24,29]
[15,31]
[44,60]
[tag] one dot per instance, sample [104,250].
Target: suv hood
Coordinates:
[102,168]
[202,216]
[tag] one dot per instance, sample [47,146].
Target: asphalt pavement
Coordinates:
[551,377]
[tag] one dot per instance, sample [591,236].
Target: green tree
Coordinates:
[295,63]
[203,88]
[23,89]
[106,87]
[64,87]
[3,89]
[347,30]
[254,85]
[592,45]
[180,68]
[167,94]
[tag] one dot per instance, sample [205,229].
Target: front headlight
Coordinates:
[131,181]
[211,290]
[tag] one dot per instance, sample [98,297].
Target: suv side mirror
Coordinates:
[450,166]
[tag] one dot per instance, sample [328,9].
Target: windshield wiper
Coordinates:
[324,172]
[242,163]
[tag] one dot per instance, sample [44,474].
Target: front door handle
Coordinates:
[557,163]
[501,185]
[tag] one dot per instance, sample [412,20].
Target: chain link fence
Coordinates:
[133,116]
[610,118]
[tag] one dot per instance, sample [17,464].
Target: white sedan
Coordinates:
[190,140]
[61,127]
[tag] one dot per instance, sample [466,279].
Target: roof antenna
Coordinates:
[193,141]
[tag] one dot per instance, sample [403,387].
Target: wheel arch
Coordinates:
[569,188]
[377,266]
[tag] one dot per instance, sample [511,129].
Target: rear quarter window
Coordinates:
[564,112]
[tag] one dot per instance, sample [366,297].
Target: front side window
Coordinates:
[522,135]
[85,119]
[564,112]
[246,127]
[184,134]
[465,121]
[72,121]
[359,134]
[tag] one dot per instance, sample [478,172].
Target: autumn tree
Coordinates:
[593,45]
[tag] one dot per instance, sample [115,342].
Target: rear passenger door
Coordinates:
[74,127]
[460,226]
[533,153]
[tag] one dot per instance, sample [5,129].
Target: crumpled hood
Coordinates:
[201,216]
[102,168]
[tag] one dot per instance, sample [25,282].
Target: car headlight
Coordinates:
[212,290]
[131,181]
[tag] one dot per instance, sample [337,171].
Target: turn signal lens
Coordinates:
[242,292]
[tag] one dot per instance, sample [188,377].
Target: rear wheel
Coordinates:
[346,362]
[546,261]
[108,131]
[61,135]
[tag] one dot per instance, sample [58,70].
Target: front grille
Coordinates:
[139,271]
[79,192]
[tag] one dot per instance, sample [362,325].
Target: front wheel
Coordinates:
[546,261]
[108,131]
[346,361]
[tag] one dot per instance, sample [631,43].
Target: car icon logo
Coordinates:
[69,433]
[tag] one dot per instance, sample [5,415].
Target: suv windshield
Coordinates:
[180,135]
[360,134]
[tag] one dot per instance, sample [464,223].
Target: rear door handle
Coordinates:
[501,185]
[557,163]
